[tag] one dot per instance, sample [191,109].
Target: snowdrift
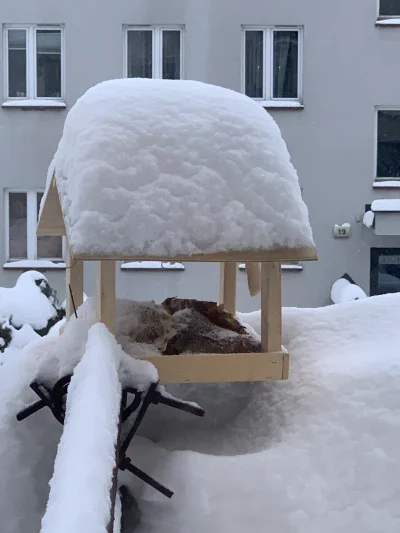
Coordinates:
[316,454]
[328,458]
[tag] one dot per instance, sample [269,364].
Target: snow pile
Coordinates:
[326,459]
[194,168]
[315,454]
[80,488]
[343,291]
[15,339]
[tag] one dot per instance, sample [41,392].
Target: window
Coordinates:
[272,63]
[21,217]
[385,271]
[153,52]
[389,8]
[388,145]
[34,62]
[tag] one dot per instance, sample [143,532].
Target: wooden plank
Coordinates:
[74,279]
[279,254]
[219,368]
[227,286]
[106,294]
[271,307]
[51,221]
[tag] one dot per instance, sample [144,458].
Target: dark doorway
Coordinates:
[385,271]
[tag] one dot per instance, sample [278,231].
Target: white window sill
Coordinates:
[284,266]
[393,21]
[40,264]
[34,104]
[386,205]
[281,104]
[152,265]
[389,184]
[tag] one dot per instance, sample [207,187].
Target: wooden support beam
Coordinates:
[106,294]
[227,286]
[271,307]
[74,279]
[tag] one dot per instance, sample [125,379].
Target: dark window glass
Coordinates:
[48,63]
[389,8]
[254,63]
[286,64]
[16,63]
[171,58]
[385,270]
[17,217]
[140,54]
[388,153]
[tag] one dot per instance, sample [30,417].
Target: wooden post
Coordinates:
[271,307]
[74,279]
[227,286]
[106,294]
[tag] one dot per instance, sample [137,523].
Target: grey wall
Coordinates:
[350,66]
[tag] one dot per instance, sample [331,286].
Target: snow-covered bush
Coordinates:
[28,310]
[5,334]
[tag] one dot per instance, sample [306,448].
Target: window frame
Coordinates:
[31,225]
[377,109]
[375,254]
[157,42]
[31,60]
[268,74]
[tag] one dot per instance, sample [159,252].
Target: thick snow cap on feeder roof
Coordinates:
[174,169]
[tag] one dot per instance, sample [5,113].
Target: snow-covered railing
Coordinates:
[79,498]
[93,399]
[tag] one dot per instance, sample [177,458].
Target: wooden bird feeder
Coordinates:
[263,270]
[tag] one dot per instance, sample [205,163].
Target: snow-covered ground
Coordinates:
[316,454]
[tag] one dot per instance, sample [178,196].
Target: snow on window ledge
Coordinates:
[369,219]
[34,103]
[386,205]
[152,265]
[389,184]
[39,264]
[391,21]
[284,266]
[281,104]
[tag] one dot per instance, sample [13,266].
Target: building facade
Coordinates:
[329,73]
